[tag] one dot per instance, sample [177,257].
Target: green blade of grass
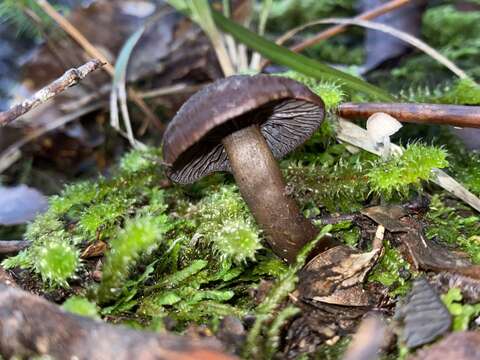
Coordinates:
[294,61]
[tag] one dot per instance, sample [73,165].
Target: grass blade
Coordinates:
[297,62]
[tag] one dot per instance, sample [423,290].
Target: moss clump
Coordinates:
[338,187]
[463,314]
[89,211]
[449,225]
[140,237]
[392,271]
[397,174]
[226,224]
[81,306]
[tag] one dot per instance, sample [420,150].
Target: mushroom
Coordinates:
[380,126]
[242,124]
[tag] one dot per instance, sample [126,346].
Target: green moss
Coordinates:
[463,314]
[226,224]
[141,236]
[341,186]
[397,174]
[93,210]
[444,25]
[80,306]
[331,93]
[56,262]
[389,269]
[449,225]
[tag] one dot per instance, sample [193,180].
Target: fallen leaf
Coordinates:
[424,315]
[336,276]
[93,250]
[20,204]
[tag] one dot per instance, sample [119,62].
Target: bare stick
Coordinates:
[30,326]
[443,114]
[8,247]
[70,78]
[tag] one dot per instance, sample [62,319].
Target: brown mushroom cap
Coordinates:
[287,112]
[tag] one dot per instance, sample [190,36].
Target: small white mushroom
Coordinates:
[380,126]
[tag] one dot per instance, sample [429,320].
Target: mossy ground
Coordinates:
[192,255]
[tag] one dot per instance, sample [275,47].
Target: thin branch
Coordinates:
[401,35]
[443,114]
[70,78]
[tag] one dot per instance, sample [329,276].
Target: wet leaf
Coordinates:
[20,204]
[336,276]
[424,315]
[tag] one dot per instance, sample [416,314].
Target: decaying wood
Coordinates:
[70,78]
[30,325]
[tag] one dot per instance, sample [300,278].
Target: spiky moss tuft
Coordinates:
[56,262]
[398,174]
[237,241]
[225,222]
[141,236]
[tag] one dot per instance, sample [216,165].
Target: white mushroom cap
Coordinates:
[381,126]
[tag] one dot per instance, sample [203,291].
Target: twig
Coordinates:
[70,78]
[337,29]
[401,35]
[353,134]
[8,247]
[443,114]
[31,326]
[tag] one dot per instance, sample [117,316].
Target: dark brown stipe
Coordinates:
[442,114]
[242,124]
[261,184]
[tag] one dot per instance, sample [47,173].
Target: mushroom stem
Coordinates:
[261,184]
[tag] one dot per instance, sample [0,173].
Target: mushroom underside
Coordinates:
[284,124]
